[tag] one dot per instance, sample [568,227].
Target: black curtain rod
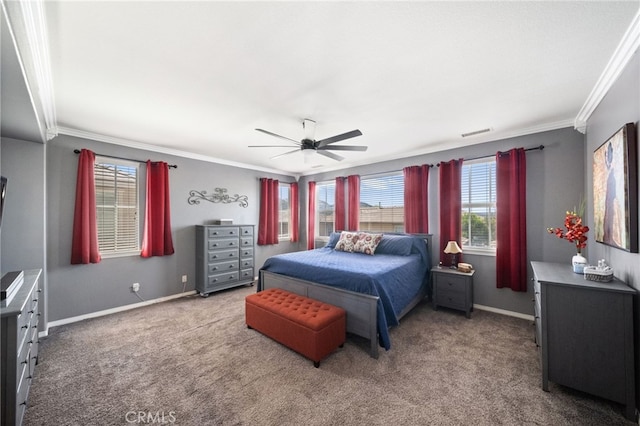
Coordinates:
[541,147]
[171,166]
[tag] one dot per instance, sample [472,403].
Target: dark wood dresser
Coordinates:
[584,330]
[19,347]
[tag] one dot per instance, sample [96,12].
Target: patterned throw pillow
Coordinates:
[366,243]
[347,241]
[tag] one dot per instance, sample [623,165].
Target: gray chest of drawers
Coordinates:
[19,347]
[584,330]
[452,289]
[224,257]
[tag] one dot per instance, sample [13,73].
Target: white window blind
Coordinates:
[325,208]
[479,204]
[284,213]
[382,203]
[117,206]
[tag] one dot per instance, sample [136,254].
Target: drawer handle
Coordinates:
[35,326]
[230,266]
[26,361]
[215,268]
[231,243]
[39,290]
[23,403]
[25,326]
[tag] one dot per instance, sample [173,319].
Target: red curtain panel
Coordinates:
[311,225]
[156,238]
[84,246]
[353,184]
[269,211]
[511,232]
[450,207]
[340,206]
[416,204]
[294,232]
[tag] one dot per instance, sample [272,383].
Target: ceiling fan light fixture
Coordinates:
[307,155]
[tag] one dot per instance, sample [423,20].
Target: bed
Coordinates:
[376,290]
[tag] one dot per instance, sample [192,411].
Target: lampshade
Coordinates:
[452,248]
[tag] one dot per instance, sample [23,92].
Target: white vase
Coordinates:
[579,262]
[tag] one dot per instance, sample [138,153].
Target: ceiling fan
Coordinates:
[308,144]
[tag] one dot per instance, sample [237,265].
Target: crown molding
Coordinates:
[161,150]
[619,60]
[28,25]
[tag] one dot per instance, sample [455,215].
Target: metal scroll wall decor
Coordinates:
[219,196]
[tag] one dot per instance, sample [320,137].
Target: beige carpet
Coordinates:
[192,361]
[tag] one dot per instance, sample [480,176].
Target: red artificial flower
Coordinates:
[575,233]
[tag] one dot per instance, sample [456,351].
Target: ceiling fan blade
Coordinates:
[338,138]
[278,136]
[269,146]
[344,148]
[330,155]
[286,153]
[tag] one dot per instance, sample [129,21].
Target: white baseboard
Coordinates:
[503,312]
[70,320]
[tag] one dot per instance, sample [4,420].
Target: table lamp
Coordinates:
[453,249]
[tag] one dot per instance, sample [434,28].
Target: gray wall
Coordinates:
[555,183]
[82,289]
[621,105]
[22,240]
[74,290]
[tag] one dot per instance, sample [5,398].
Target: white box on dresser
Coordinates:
[19,331]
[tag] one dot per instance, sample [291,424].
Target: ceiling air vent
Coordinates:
[477,132]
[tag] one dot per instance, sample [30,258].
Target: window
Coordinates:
[325,208]
[479,205]
[117,207]
[284,211]
[382,203]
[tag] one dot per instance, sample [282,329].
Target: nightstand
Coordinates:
[453,289]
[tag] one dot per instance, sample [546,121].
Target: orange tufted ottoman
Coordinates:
[309,327]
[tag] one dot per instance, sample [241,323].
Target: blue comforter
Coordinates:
[395,279]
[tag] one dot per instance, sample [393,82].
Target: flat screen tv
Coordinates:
[3,193]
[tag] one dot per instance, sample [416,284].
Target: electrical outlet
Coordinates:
[184,278]
[135,287]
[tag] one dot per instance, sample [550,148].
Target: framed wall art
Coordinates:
[615,190]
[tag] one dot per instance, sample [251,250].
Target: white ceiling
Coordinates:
[200,77]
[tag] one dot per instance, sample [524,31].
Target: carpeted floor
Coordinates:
[192,361]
